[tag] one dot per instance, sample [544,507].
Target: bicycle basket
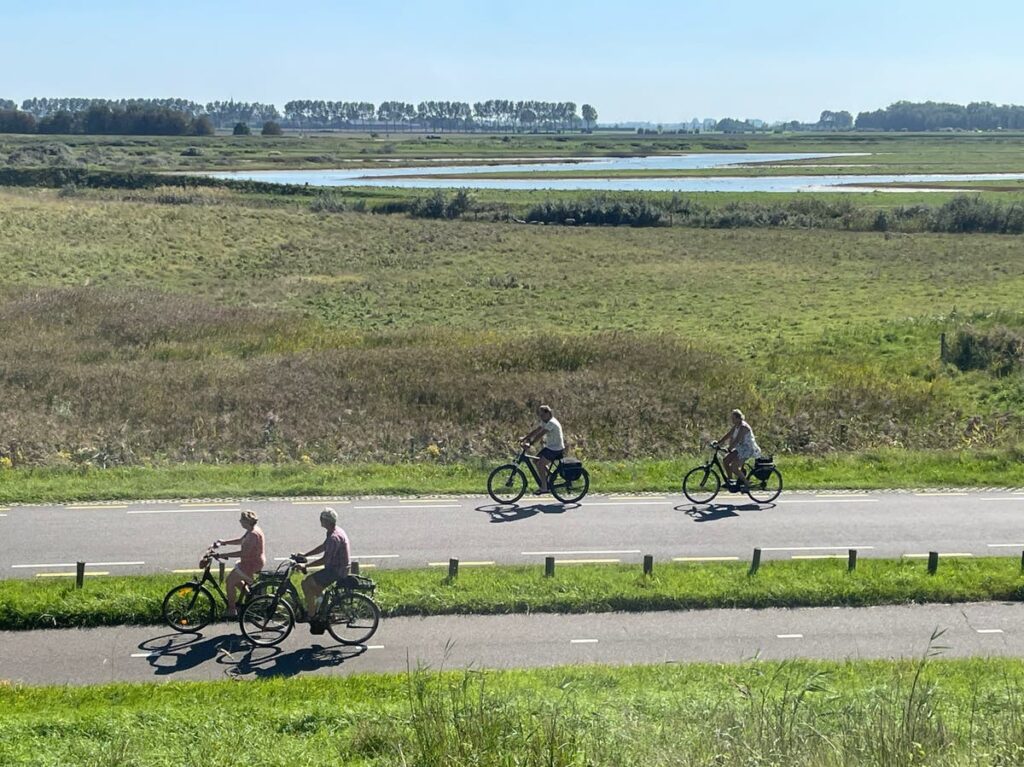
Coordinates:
[571,470]
[763,467]
[357,583]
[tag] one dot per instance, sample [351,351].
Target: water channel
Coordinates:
[422,177]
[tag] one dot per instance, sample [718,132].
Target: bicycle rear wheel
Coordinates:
[568,491]
[352,618]
[701,485]
[506,484]
[267,620]
[764,490]
[188,608]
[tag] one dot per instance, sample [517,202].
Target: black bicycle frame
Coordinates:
[528,460]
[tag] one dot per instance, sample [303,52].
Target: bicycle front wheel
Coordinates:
[352,617]
[701,485]
[188,608]
[568,491]
[506,484]
[267,620]
[764,490]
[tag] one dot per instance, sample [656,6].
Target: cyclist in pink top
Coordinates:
[251,559]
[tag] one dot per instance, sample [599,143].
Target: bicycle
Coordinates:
[702,484]
[345,611]
[190,606]
[568,481]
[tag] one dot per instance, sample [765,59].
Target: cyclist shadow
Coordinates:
[173,653]
[515,512]
[714,511]
[267,662]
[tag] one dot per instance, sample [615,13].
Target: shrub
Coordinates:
[271,128]
[998,349]
[241,129]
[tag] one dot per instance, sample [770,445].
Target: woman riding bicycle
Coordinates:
[741,446]
[251,558]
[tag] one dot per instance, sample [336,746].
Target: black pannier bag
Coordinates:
[763,467]
[571,469]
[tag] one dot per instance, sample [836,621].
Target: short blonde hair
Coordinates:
[250,516]
[739,413]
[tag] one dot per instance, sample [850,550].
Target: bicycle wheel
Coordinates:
[352,617]
[569,492]
[701,485]
[506,484]
[267,620]
[764,490]
[188,608]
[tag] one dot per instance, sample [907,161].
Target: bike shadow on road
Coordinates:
[712,512]
[267,662]
[515,512]
[173,653]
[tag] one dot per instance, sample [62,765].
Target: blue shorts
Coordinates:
[551,455]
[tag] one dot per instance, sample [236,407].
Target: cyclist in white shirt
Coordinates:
[554,444]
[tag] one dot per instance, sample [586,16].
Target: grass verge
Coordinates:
[933,712]
[26,604]
[875,469]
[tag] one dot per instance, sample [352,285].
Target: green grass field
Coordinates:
[116,600]
[205,326]
[800,714]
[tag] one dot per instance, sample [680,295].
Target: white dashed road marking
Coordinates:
[941,554]
[176,511]
[631,503]
[837,499]
[1005,545]
[990,631]
[412,506]
[561,553]
[789,636]
[72,564]
[583,641]
[1008,498]
[815,548]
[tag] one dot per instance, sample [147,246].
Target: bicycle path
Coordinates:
[150,536]
[153,654]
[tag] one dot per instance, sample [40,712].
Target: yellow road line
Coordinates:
[204,505]
[98,506]
[587,561]
[705,559]
[818,556]
[461,564]
[324,502]
[66,575]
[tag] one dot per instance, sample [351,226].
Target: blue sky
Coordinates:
[653,60]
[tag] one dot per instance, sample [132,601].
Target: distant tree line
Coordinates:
[932,116]
[492,115]
[184,117]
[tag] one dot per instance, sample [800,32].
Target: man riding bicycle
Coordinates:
[554,445]
[335,560]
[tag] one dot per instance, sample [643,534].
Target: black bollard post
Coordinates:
[851,561]
[549,567]
[79,574]
[354,567]
[648,564]
[453,568]
[755,563]
[933,562]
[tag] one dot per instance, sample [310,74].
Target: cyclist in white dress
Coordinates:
[742,446]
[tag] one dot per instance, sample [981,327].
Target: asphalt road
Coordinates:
[91,656]
[145,536]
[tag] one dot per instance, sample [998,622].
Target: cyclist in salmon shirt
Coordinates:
[335,560]
[251,559]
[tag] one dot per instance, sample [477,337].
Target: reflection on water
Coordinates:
[420,177]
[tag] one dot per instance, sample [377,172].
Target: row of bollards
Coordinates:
[755,564]
[549,566]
